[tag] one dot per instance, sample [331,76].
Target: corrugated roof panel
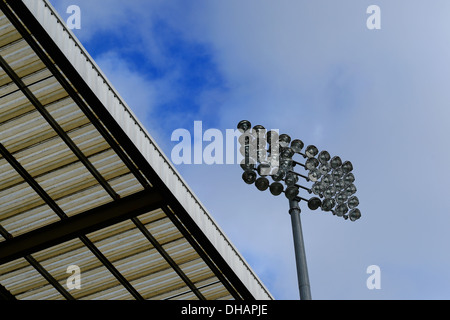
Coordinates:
[129,251]
[153,285]
[84,200]
[24,130]
[216,291]
[47,292]
[9,176]
[8,33]
[31,79]
[48,91]
[71,250]
[125,185]
[49,155]
[115,293]
[164,230]
[123,241]
[14,105]
[67,180]
[23,281]
[197,270]
[21,58]
[29,220]
[18,199]
[94,281]
[94,277]
[180,249]
[152,216]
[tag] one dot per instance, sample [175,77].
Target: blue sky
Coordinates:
[311,69]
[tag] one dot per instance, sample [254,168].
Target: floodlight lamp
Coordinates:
[349,178]
[354,214]
[314,203]
[259,128]
[286,164]
[297,145]
[279,175]
[314,175]
[335,162]
[311,151]
[291,192]
[329,192]
[285,140]
[347,166]
[339,184]
[351,189]
[262,183]
[324,168]
[244,125]
[341,197]
[311,163]
[324,156]
[337,174]
[353,202]
[249,177]
[327,179]
[328,204]
[291,179]
[316,188]
[341,209]
[287,153]
[276,188]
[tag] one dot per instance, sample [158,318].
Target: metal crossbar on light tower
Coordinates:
[333,182]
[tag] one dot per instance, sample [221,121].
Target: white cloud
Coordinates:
[313,70]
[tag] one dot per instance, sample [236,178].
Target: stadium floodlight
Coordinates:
[329,178]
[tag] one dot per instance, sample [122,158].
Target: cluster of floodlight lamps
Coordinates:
[333,180]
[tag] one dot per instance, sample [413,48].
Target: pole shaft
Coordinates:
[300,256]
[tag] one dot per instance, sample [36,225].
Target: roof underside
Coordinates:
[73,192]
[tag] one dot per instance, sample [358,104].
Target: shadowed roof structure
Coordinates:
[83,183]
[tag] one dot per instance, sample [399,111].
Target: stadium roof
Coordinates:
[83,183]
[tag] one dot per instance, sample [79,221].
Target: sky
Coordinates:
[314,70]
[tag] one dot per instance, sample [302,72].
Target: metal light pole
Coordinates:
[332,180]
[300,255]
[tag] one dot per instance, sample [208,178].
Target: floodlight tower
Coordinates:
[268,154]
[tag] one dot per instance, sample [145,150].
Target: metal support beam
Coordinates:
[300,256]
[79,225]
[49,278]
[100,256]
[31,182]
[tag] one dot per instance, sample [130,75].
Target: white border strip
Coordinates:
[100,85]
